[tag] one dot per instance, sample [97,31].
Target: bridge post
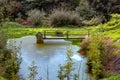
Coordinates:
[67,35]
[39,37]
[44,34]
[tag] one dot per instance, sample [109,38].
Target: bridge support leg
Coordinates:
[39,38]
[40,41]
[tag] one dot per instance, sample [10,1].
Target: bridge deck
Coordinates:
[60,35]
[64,37]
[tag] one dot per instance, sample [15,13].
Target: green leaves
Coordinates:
[94,53]
[33,71]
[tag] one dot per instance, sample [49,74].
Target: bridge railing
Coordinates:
[64,34]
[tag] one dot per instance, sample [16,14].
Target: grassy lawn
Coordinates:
[19,31]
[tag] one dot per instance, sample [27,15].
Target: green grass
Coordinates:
[113,78]
[1,78]
[18,30]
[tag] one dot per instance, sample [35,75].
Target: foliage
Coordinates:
[105,7]
[10,9]
[66,71]
[84,47]
[35,16]
[84,10]
[117,77]
[9,60]
[7,9]
[33,71]
[94,61]
[107,50]
[108,73]
[99,50]
[93,21]
[1,78]
[111,28]
[48,5]
[63,17]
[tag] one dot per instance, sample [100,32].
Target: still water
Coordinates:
[48,57]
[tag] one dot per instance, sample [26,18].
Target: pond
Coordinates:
[48,57]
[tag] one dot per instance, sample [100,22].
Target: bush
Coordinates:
[84,47]
[93,21]
[108,73]
[85,10]
[107,50]
[35,17]
[99,50]
[62,17]
[9,60]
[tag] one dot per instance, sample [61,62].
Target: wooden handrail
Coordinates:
[67,34]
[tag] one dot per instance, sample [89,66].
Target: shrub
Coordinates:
[108,73]
[84,47]
[63,17]
[94,59]
[93,21]
[19,18]
[9,60]
[33,71]
[99,50]
[35,17]
[107,50]
[84,10]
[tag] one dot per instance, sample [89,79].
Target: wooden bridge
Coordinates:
[61,34]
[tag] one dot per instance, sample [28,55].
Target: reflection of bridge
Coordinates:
[61,34]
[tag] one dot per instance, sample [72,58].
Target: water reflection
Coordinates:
[50,55]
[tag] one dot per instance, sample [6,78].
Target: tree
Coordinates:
[105,7]
[7,9]
[85,10]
